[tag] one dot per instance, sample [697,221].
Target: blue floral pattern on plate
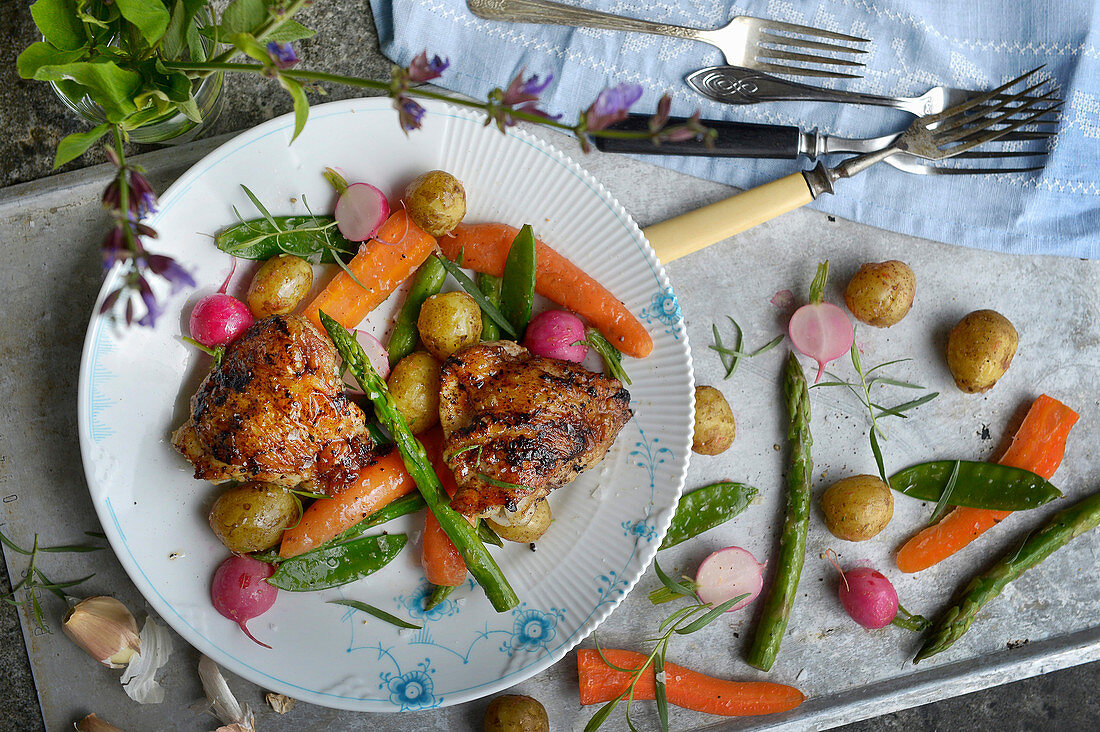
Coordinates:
[664,309]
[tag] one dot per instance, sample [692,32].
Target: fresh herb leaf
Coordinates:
[731,357]
[308,494]
[945,498]
[612,357]
[488,536]
[899,409]
[710,616]
[503,483]
[479,297]
[376,612]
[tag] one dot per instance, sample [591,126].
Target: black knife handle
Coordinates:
[735,140]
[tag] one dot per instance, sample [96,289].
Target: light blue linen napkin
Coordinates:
[977,44]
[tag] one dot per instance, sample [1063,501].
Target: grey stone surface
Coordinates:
[34,121]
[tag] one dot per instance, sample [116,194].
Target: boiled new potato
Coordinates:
[530,531]
[980,349]
[881,293]
[516,713]
[251,517]
[448,323]
[714,424]
[279,285]
[414,386]
[857,508]
[436,202]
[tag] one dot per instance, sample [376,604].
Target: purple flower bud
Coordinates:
[112,155]
[660,119]
[112,196]
[152,309]
[611,106]
[109,301]
[532,108]
[520,90]
[129,311]
[143,199]
[409,113]
[113,247]
[171,271]
[282,54]
[421,69]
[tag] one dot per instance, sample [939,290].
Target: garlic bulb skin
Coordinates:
[105,629]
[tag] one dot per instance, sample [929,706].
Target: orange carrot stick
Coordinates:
[383,263]
[439,556]
[484,248]
[684,687]
[1038,446]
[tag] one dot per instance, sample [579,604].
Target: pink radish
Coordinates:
[820,329]
[556,334]
[377,355]
[240,590]
[729,573]
[868,597]
[219,318]
[361,208]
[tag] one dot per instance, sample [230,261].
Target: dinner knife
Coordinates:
[739,140]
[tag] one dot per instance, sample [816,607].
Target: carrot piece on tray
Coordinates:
[383,263]
[443,565]
[484,248]
[685,688]
[1038,446]
[377,485]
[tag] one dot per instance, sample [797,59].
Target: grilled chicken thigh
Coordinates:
[510,418]
[275,411]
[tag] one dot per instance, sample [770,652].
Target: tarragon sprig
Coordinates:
[34,579]
[731,357]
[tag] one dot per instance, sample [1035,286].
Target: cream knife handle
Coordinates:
[708,225]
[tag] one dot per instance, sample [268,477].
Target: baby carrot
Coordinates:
[484,248]
[383,263]
[1038,446]
[442,562]
[685,688]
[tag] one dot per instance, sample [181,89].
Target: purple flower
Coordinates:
[171,271]
[282,54]
[521,90]
[152,309]
[112,196]
[421,69]
[143,199]
[611,106]
[114,247]
[409,113]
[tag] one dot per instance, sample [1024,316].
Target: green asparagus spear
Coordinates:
[465,537]
[1065,525]
[427,282]
[439,594]
[490,287]
[792,543]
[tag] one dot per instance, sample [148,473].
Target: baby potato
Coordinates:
[881,293]
[279,285]
[530,531]
[714,424]
[857,508]
[414,386]
[436,202]
[980,349]
[251,517]
[516,713]
[448,323]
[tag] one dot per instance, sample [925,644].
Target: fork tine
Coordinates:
[943,170]
[985,126]
[975,100]
[806,30]
[956,120]
[1037,135]
[992,154]
[766,37]
[764,53]
[801,71]
[989,135]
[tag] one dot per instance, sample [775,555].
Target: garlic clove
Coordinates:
[281,703]
[92,723]
[105,629]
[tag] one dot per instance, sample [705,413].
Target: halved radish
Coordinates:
[360,210]
[729,573]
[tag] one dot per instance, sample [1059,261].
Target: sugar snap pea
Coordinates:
[517,289]
[309,237]
[427,282]
[978,485]
[338,565]
[490,287]
[705,508]
[1064,526]
[439,594]
[792,542]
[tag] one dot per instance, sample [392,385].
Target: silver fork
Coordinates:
[748,42]
[956,130]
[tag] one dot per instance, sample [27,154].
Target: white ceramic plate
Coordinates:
[135,383]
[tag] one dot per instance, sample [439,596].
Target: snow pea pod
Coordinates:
[490,287]
[705,508]
[517,289]
[338,565]
[308,237]
[978,485]
[427,282]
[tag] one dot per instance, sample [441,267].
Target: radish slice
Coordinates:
[823,332]
[729,573]
[377,355]
[360,210]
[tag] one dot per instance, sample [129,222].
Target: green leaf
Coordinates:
[660,692]
[76,144]
[149,16]
[290,30]
[59,23]
[380,614]
[111,87]
[678,588]
[944,503]
[899,409]
[817,287]
[479,297]
[41,54]
[190,109]
[877,450]
[892,382]
[175,35]
[601,716]
[301,104]
[710,616]
[243,16]
[247,44]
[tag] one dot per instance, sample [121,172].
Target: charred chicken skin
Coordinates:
[275,411]
[513,419]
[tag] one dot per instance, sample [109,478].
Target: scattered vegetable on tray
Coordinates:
[857,508]
[715,427]
[870,599]
[705,508]
[977,485]
[880,294]
[725,574]
[820,329]
[980,349]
